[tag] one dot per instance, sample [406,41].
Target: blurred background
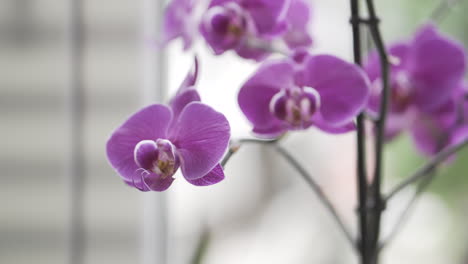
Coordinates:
[262,213]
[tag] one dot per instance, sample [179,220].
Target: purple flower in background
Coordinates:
[322,91]
[250,26]
[226,27]
[460,133]
[425,74]
[241,24]
[155,142]
[444,127]
[431,132]
[297,19]
[179,21]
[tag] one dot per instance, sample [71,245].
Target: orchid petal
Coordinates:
[145,153]
[298,17]
[255,95]
[201,137]
[191,77]
[330,128]
[247,50]
[267,14]
[343,87]
[214,176]
[436,67]
[155,182]
[431,133]
[181,100]
[459,135]
[398,57]
[150,123]
[176,22]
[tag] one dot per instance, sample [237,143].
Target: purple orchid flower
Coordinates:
[250,26]
[460,133]
[432,132]
[226,27]
[179,22]
[322,91]
[298,18]
[425,73]
[241,25]
[444,127]
[148,148]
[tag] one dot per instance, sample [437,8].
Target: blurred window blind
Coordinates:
[34,47]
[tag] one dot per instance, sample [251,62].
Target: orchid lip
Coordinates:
[401,95]
[295,106]
[158,157]
[312,92]
[226,20]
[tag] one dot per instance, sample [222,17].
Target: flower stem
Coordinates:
[425,170]
[202,247]
[317,190]
[236,144]
[442,10]
[406,212]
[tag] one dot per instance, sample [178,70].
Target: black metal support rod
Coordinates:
[377,203]
[361,146]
